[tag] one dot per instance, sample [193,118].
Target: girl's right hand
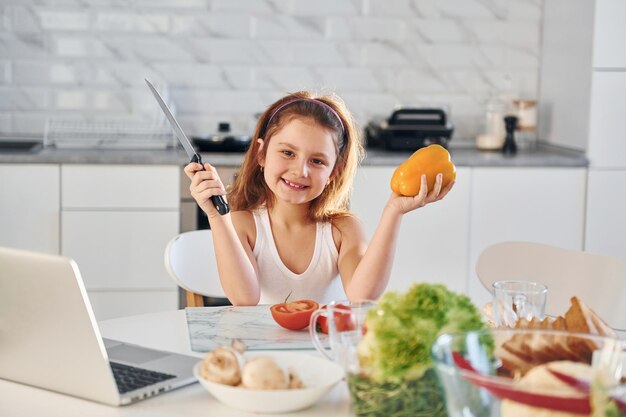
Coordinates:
[204,185]
[425,196]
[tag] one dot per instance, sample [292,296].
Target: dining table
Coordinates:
[168,331]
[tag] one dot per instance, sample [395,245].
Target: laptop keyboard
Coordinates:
[129,378]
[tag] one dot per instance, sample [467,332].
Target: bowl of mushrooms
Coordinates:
[266,382]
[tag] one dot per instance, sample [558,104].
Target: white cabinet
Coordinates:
[29,207]
[609,49]
[605,228]
[116,222]
[441,242]
[583,59]
[432,244]
[545,205]
[607,130]
[120,186]
[120,249]
[606,204]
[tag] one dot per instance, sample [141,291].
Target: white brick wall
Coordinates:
[227,60]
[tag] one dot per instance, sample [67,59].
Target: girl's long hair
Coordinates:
[249,190]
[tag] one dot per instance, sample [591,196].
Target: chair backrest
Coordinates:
[190,261]
[599,281]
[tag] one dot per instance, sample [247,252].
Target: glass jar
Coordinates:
[493,137]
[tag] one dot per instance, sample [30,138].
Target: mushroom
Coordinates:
[238,345]
[263,373]
[223,365]
[294,380]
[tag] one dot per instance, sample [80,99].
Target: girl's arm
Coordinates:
[365,272]
[235,261]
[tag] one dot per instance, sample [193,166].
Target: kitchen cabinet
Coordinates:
[607,130]
[115,222]
[609,48]
[441,242]
[605,228]
[432,243]
[583,94]
[29,207]
[545,205]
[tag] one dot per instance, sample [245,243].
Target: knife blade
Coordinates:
[218,201]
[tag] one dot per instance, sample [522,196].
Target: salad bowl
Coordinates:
[531,372]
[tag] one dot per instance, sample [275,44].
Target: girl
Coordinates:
[290,230]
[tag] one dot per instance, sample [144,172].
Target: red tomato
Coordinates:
[342,321]
[294,315]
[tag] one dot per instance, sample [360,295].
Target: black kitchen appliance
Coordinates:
[409,129]
[222,141]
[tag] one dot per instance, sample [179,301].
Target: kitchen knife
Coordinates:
[218,201]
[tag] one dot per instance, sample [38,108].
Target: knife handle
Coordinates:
[218,201]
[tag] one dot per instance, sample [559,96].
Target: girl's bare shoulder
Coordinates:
[346,223]
[347,228]
[243,215]
[245,226]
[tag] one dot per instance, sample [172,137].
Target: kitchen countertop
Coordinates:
[543,156]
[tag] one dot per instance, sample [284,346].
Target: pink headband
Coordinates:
[310,100]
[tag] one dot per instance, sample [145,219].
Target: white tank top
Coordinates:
[320,281]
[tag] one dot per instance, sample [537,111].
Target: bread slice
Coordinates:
[516,346]
[514,365]
[560,343]
[581,319]
[541,344]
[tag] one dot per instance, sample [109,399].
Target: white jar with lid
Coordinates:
[493,138]
[526,114]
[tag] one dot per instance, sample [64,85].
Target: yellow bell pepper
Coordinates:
[430,160]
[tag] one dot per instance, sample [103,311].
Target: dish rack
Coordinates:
[108,134]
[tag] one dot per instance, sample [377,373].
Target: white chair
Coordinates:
[599,281]
[190,261]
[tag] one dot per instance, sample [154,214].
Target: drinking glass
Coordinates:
[346,322]
[513,300]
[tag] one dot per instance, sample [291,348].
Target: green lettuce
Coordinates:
[401,331]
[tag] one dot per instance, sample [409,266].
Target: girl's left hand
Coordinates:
[425,196]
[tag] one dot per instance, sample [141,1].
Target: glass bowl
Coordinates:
[514,372]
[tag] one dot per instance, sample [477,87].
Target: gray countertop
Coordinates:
[543,156]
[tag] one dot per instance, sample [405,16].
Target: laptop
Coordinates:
[49,337]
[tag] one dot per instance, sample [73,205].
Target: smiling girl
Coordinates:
[290,229]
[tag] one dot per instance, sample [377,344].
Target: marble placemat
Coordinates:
[210,327]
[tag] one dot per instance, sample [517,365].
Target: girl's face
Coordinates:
[299,161]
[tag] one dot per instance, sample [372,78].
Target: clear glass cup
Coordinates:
[514,300]
[345,321]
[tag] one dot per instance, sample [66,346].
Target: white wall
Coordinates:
[226,60]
